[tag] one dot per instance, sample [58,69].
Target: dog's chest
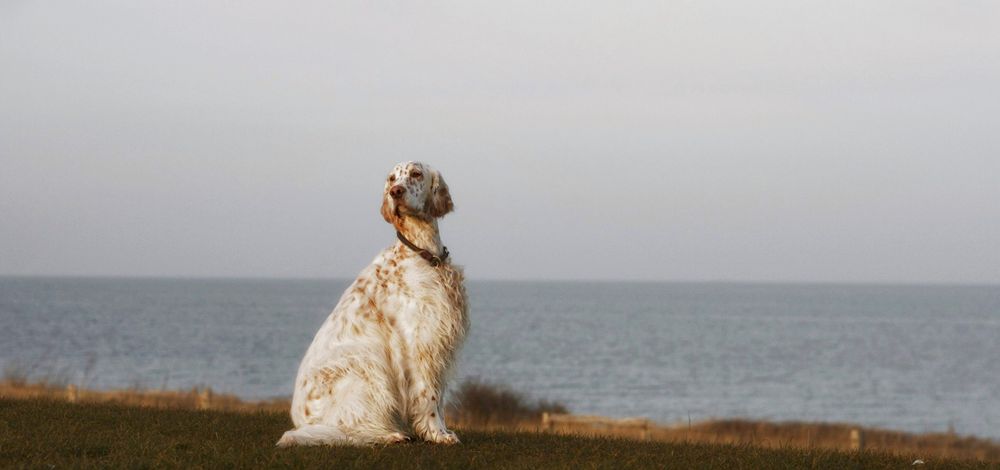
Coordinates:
[423,298]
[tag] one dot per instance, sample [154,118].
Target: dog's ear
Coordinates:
[387,212]
[439,201]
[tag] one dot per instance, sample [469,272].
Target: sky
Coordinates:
[799,141]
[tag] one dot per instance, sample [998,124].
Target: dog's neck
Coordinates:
[421,232]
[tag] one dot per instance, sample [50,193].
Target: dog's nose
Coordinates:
[396,192]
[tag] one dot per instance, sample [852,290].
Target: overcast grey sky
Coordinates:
[798,140]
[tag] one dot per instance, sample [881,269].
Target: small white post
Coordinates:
[204,399]
[857,439]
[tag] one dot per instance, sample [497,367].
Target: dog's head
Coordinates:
[414,189]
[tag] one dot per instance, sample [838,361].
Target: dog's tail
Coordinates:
[312,435]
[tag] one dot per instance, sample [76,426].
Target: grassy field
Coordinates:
[50,434]
[481,406]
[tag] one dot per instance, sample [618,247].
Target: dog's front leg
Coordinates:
[426,400]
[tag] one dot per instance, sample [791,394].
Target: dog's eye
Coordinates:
[392,178]
[416,174]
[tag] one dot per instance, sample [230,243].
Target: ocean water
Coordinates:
[915,358]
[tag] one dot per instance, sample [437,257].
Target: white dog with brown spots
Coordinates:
[376,371]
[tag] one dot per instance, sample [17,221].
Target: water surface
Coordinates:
[916,358]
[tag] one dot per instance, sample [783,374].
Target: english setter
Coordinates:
[376,370]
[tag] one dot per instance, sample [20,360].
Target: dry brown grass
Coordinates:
[482,405]
[831,436]
[195,398]
[799,435]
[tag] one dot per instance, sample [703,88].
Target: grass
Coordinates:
[46,433]
[478,403]
[195,398]
[485,407]
[834,436]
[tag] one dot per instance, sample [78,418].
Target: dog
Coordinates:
[377,369]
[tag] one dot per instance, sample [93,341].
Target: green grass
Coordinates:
[49,434]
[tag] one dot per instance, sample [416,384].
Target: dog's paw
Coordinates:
[287,440]
[443,437]
[396,438]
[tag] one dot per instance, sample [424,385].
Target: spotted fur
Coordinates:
[377,369]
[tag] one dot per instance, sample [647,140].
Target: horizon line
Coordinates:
[526,280]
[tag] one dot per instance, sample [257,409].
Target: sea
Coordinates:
[918,358]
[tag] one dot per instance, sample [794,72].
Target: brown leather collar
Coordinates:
[431,258]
